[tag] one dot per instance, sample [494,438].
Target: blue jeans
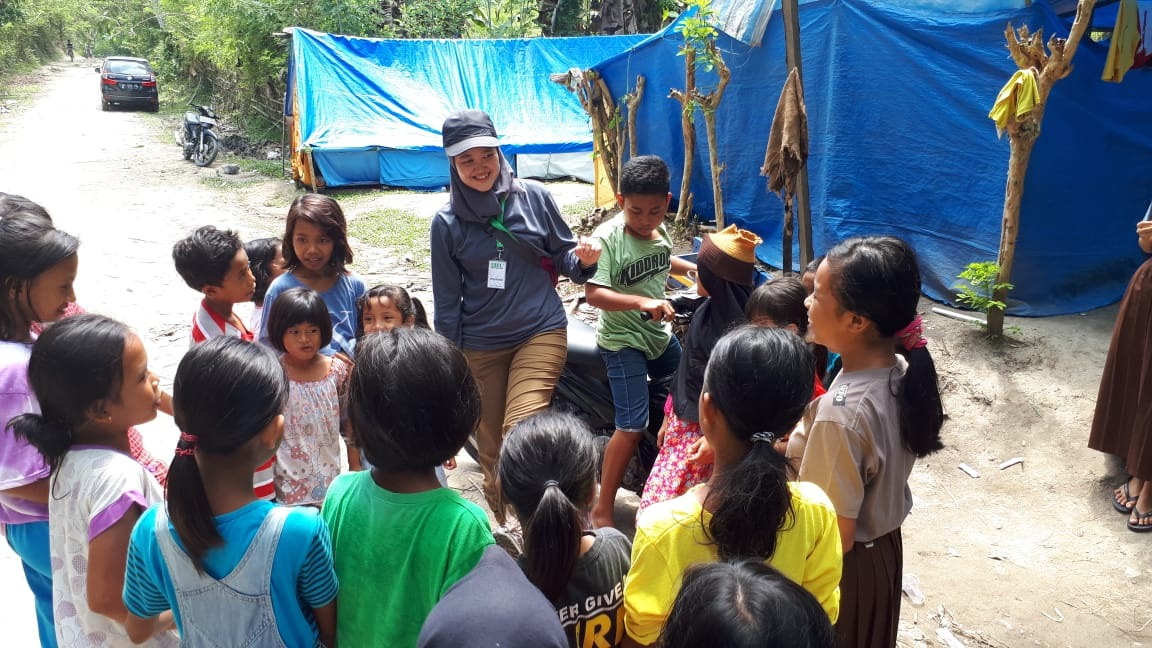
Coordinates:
[30,542]
[628,374]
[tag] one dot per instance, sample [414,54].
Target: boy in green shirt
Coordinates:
[629,283]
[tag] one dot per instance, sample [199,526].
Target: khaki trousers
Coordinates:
[513,383]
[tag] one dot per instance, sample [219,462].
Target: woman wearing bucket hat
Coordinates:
[726,276]
[497,247]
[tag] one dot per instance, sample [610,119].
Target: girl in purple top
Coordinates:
[37,267]
[90,375]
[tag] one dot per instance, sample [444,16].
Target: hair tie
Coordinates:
[912,336]
[185,452]
[764,437]
[190,440]
[550,483]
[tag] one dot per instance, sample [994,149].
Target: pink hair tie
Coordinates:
[912,336]
[185,452]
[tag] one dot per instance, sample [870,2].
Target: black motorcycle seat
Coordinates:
[583,354]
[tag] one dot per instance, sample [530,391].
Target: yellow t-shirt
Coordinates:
[670,538]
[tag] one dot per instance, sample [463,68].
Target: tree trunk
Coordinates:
[786,252]
[633,104]
[687,100]
[709,103]
[1021,147]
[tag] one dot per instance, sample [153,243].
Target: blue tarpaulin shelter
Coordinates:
[897,96]
[369,110]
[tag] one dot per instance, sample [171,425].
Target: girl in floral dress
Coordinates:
[309,455]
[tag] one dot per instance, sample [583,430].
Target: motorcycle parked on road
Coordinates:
[197,139]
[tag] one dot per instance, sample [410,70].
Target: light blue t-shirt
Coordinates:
[341,301]
[302,569]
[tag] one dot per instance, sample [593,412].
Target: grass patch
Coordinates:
[267,168]
[395,230]
[573,212]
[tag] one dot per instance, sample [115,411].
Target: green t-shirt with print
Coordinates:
[631,266]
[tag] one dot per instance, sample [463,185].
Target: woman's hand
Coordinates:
[587,251]
[1144,231]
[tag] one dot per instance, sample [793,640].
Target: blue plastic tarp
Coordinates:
[371,109]
[901,144]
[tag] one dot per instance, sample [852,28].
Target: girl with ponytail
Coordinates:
[756,386]
[90,376]
[861,440]
[548,477]
[216,552]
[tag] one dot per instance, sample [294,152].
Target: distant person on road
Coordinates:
[316,256]
[68,49]
[213,262]
[90,376]
[498,247]
[37,267]
[1122,425]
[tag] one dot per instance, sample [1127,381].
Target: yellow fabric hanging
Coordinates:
[1016,98]
[1125,41]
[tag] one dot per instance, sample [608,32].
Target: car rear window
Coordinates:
[127,67]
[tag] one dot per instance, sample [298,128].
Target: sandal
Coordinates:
[1143,521]
[1129,501]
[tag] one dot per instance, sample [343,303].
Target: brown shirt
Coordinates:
[850,446]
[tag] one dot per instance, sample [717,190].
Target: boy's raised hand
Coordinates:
[587,251]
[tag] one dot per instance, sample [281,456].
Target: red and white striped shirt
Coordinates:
[207,324]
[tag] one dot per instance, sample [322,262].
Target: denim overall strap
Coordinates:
[243,597]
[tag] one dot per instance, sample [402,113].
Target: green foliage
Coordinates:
[395,230]
[699,32]
[981,286]
[503,19]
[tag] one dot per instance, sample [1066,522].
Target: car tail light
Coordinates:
[148,84]
[107,81]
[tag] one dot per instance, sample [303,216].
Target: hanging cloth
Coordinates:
[1126,39]
[1016,99]
[787,139]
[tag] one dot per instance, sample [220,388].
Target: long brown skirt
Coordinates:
[870,593]
[1122,425]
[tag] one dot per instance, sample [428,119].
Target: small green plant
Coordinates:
[981,285]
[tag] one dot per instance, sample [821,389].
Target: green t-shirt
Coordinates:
[396,555]
[631,266]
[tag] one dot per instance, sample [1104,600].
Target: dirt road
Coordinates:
[1031,555]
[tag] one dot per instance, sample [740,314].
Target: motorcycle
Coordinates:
[197,139]
[583,389]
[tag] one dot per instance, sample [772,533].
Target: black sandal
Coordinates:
[1143,522]
[1131,501]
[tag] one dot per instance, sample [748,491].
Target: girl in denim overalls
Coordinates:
[234,570]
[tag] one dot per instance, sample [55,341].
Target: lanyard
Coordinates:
[498,221]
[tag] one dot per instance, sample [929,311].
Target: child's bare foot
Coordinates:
[1125,494]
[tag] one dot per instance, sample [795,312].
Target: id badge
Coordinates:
[496,269]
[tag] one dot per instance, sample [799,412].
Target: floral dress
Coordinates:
[672,474]
[309,455]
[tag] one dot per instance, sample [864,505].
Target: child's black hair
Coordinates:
[548,476]
[745,604]
[412,401]
[878,278]
[261,253]
[75,364]
[760,379]
[410,307]
[813,265]
[298,306]
[323,212]
[782,300]
[226,392]
[29,246]
[12,203]
[204,257]
[646,175]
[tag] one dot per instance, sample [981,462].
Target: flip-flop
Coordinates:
[1138,527]
[1131,501]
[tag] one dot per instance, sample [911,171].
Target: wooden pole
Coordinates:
[1051,64]
[803,208]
